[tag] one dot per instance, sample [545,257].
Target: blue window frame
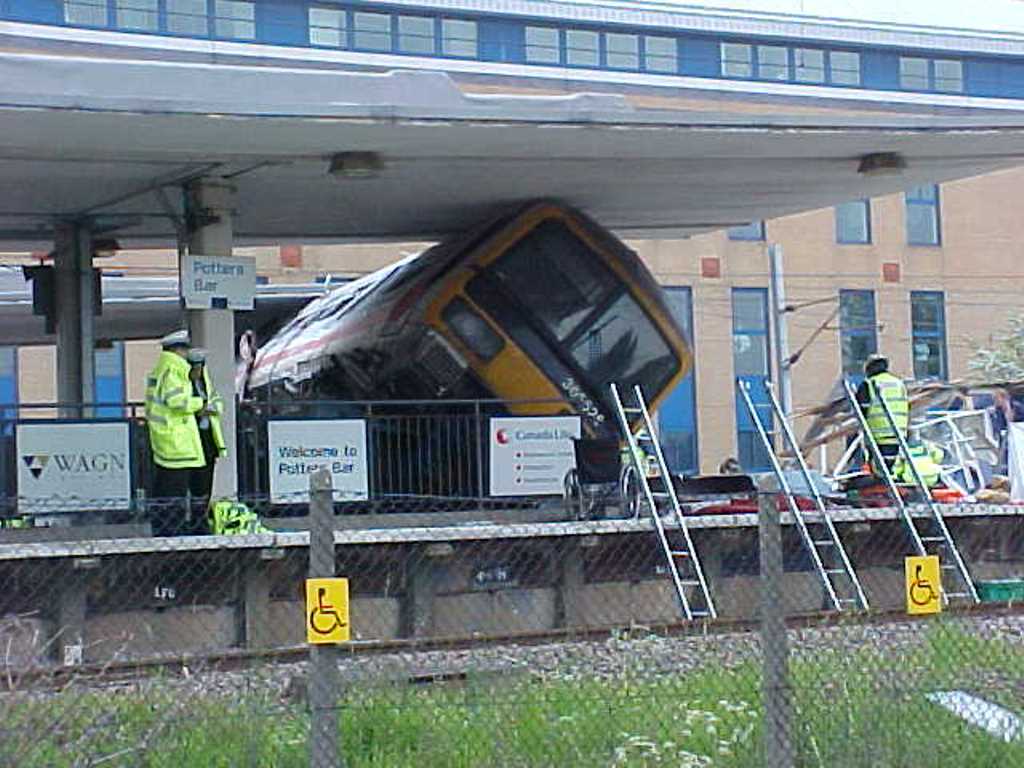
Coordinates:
[661,54]
[8,388]
[853,222]
[751,364]
[677,415]
[328,27]
[928,334]
[858,331]
[109,370]
[543,45]
[188,17]
[924,224]
[372,28]
[139,15]
[582,48]
[417,35]
[87,13]
[234,19]
[752,231]
[459,37]
[918,73]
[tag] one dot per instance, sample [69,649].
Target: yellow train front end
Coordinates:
[549,309]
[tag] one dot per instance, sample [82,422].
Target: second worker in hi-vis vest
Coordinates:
[172,409]
[880,386]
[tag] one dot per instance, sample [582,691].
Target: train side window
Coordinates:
[472,329]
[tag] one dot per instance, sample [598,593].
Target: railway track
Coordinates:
[47,677]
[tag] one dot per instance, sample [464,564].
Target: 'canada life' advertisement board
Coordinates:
[530,456]
[300,448]
[63,467]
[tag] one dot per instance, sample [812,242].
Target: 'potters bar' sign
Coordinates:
[218,282]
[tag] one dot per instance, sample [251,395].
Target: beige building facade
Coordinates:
[922,278]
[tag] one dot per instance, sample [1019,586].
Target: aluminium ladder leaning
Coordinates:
[938,537]
[680,556]
[817,532]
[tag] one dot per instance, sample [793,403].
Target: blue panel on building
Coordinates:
[283,23]
[502,41]
[983,77]
[44,11]
[701,57]
[881,69]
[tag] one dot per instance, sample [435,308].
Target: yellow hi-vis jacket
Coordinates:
[215,403]
[170,414]
[892,390]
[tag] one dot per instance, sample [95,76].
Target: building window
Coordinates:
[752,231]
[328,27]
[772,62]
[853,222]
[949,75]
[138,14]
[87,13]
[188,17]
[416,34]
[913,74]
[661,54]
[8,389]
[622,51]
[928,334]
[372,31]
[923,221]
[844,68]
[750,356]
[858,330]
[737,60]
[459,38]
[582,48]
[677,415]
[809,65]
[542,45]
[109,370]
[235,19]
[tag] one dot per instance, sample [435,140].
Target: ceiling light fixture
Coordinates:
[356,165]
[882,164]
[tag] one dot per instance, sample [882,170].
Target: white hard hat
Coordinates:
[197,355]
[176,339]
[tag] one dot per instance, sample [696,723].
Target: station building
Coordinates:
[924,277]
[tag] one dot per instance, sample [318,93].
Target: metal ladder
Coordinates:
[680,556]
[938,538]
[842,587]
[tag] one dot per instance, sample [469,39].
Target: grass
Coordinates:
[852,710]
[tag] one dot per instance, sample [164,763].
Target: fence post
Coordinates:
[323,659]
[479,451]
[775,688]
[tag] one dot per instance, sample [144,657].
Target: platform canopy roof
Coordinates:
[98,138]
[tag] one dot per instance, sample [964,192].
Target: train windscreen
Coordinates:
[566,292]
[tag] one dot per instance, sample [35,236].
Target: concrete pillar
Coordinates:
[256,626]
[570,605]
[425,570]
[71,610]
[209,221]
[74,313]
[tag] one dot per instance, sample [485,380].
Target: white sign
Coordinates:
[72,466]
[300,448]
[207,281]
[530,456]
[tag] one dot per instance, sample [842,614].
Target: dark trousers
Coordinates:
[200,483]
[169,512]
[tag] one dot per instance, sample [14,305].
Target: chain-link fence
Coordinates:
[485,641]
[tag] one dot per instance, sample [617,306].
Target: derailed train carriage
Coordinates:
[534,312]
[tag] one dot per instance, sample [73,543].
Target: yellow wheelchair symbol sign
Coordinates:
[924,585]
[327,611]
